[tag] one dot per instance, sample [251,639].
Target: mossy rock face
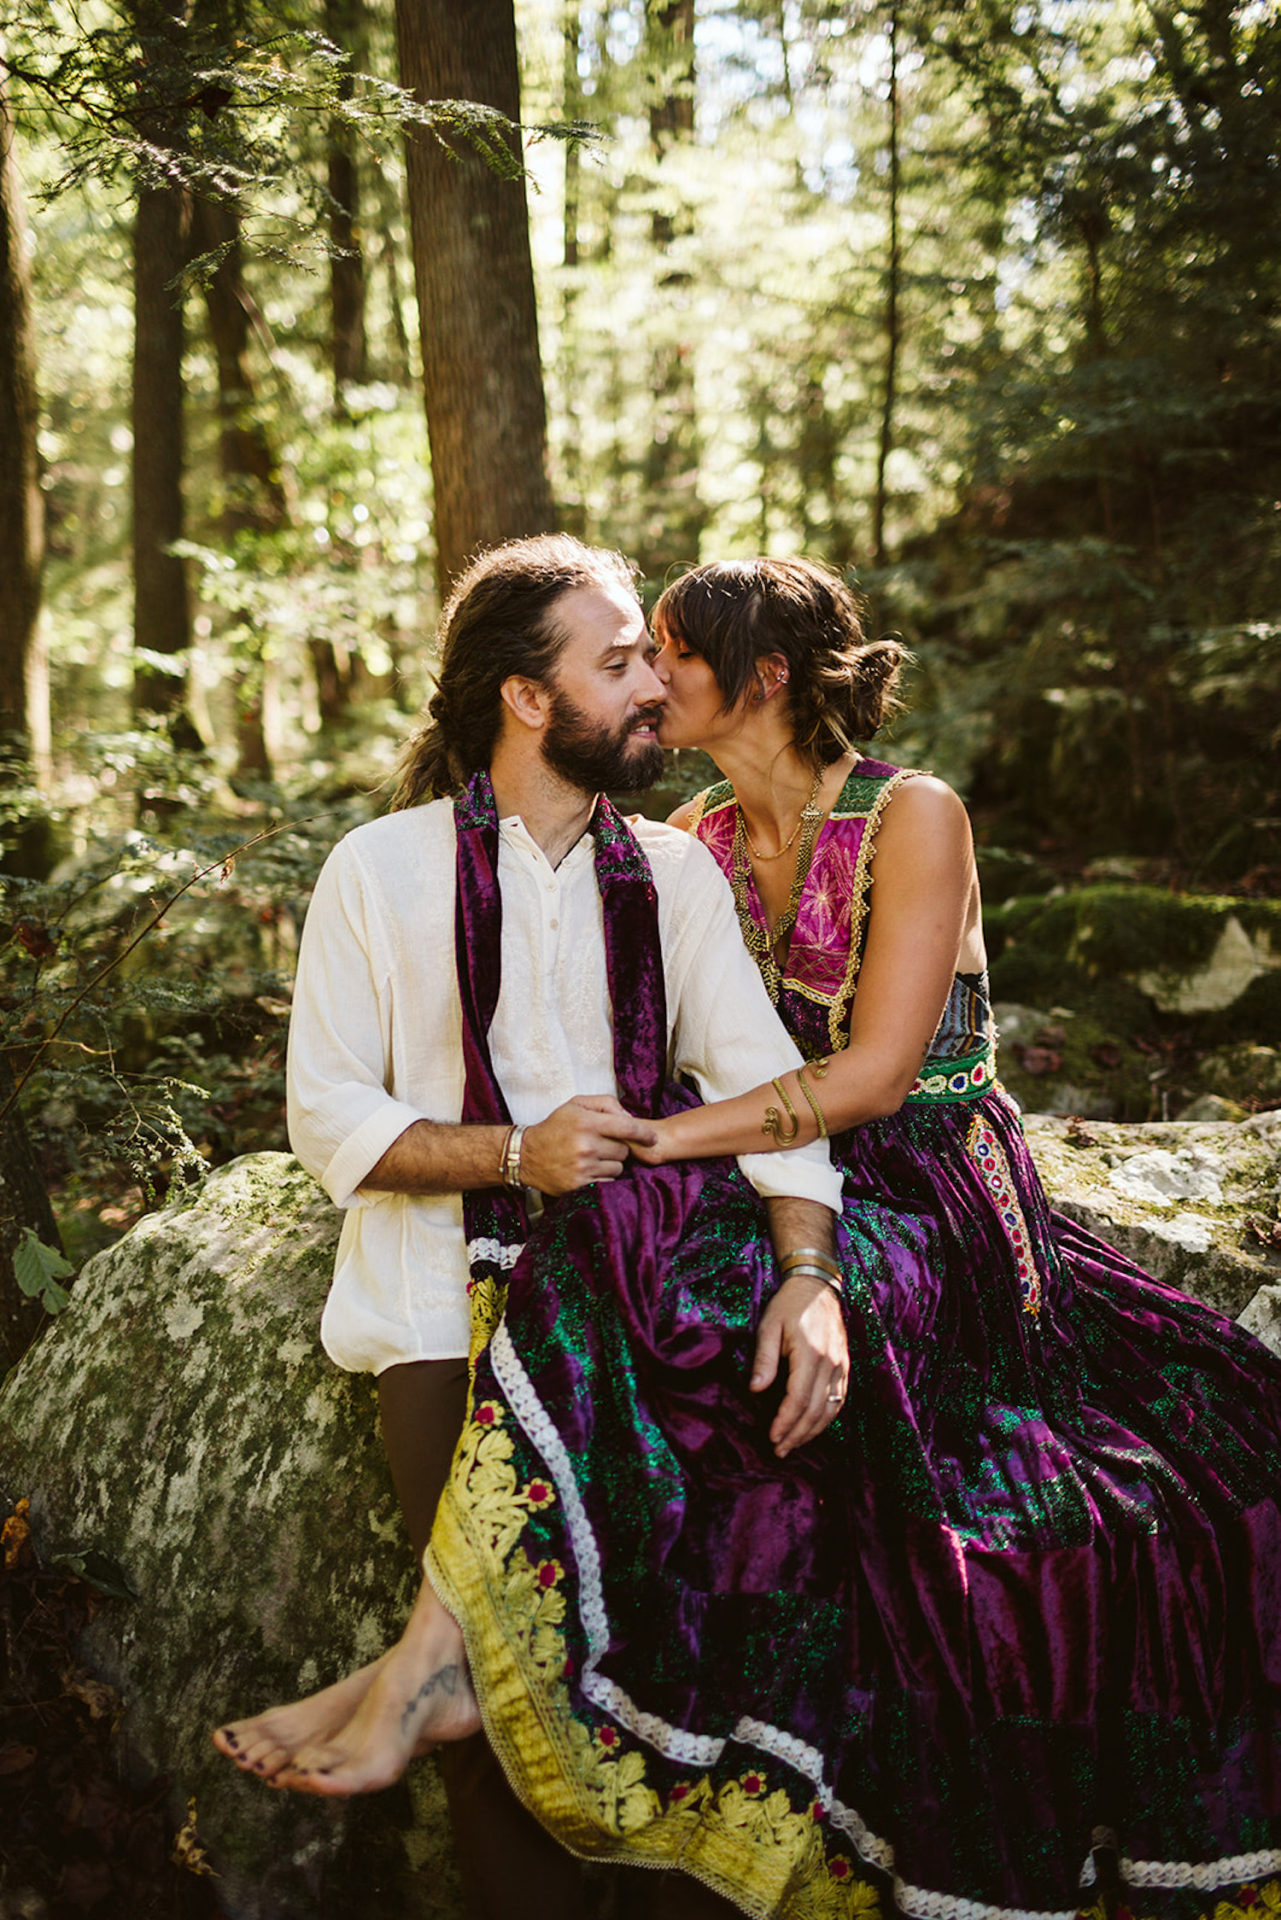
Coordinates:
[1194,1204]
[180,1418]
[1130,954]
[1056,1061]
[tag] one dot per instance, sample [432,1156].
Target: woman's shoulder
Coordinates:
[712,800]
[874,782]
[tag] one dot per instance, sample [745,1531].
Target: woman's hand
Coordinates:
[658,1151]
[803,1325]
[586,1140]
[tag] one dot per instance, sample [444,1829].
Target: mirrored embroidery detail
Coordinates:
[988,1155]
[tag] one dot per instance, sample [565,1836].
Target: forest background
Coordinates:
[978,302]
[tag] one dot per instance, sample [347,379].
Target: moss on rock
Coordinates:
[1180,1198]
[181,1418]
[1129,954]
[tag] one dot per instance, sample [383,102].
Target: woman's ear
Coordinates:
[772,674]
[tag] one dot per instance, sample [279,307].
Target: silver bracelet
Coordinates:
[511,1157]
[815,1273]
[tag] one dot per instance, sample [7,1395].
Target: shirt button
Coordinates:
[554,925]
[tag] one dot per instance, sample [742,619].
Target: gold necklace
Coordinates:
[760,945]
[818,781]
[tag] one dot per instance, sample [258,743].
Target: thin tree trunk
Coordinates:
[21,503]
[674,514]
[344,25]
[390,212]
[482,380]
[893,323]
[162,612]
[253,495]
[573,506]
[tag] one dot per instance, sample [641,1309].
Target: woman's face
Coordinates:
[693,714]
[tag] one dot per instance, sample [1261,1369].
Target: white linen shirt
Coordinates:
[375,1043]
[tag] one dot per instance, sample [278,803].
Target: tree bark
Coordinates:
[21,501]
[893,321]
[162,612]
[344,25]
[674,515]
[253,495]
[482,378]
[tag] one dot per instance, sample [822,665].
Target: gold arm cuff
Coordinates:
[812,1097]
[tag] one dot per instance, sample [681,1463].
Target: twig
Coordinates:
[268,833]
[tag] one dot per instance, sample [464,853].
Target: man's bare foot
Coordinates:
[420,1695]
[268,1742]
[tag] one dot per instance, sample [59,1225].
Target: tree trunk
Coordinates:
[253,496]
[396,358]
[162,613]
[674,515]
[344,25]
[482,379]
[893,322]
[21,503]
[573,503]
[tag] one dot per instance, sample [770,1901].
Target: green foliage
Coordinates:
[38,1270]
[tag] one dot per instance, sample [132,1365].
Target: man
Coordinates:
[546,684]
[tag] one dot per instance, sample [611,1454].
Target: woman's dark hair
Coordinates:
[841,686]
[499,619]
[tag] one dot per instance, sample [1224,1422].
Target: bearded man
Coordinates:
[475,986]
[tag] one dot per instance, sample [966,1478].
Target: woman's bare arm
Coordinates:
[923,907]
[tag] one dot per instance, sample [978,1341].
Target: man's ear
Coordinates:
[526,700]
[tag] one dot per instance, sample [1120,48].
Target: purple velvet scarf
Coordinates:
[496,1218]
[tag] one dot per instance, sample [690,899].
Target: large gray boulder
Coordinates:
[180,1418]
[1195,1203]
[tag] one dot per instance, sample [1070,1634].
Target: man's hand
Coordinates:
[586,1140]
[802,1325]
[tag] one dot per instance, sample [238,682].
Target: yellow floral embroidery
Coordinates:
[486,1299]
[745,1840]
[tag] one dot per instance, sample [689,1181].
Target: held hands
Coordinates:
[802,1325]
[587,1139]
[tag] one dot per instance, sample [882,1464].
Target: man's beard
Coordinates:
[596,757]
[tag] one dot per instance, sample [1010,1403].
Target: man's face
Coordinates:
[602,729]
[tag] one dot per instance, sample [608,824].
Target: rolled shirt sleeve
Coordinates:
[342,1119]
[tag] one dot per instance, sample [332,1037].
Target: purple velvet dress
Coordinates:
[1006,1641]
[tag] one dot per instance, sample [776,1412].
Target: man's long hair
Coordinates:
[499,619]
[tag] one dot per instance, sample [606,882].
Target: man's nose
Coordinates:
[658,682]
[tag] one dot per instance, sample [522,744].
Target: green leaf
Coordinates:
[38,1268]
[97,1568]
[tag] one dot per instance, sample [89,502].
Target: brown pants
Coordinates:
[511,1868]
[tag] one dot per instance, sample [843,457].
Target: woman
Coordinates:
[1009,1634]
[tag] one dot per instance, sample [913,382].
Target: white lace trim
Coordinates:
[493,1251]
[1207,1873]
[675,1743]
